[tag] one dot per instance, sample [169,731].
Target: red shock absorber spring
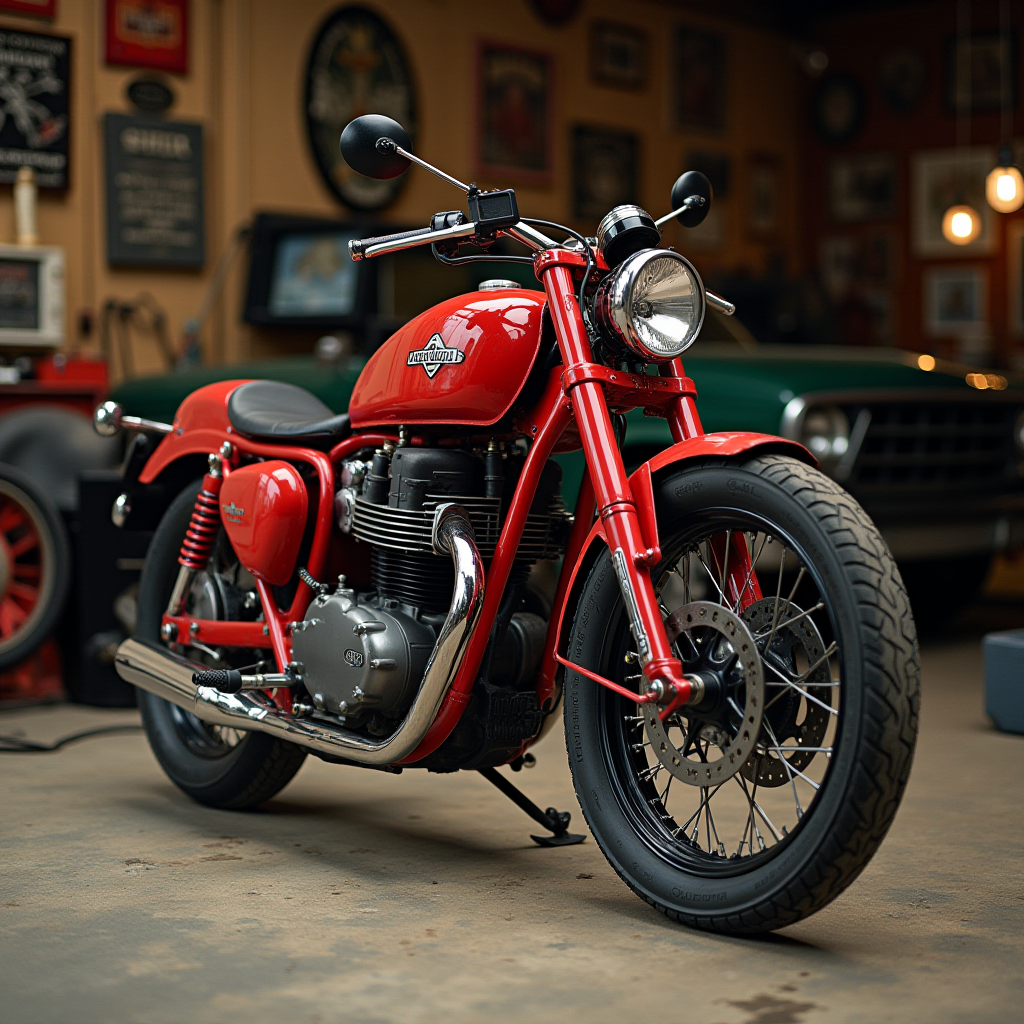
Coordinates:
[203,527]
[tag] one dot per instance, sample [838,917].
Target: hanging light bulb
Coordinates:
[1004,186]
[961,224]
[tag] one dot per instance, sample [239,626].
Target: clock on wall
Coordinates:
[356,66]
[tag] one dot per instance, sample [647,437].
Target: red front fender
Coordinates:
[641,483]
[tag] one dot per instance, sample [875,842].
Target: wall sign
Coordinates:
[148,34]
[150,95]
[33,8]
[356,66]
[604,163]
[34,87]
[154,186]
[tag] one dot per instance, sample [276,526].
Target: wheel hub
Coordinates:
[715,644]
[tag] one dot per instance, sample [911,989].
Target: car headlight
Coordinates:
[826,432]
[653,303]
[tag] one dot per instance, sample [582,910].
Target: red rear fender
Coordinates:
[642,484]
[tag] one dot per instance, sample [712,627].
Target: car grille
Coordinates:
[923,445]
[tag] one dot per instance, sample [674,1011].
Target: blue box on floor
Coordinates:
[1004,679]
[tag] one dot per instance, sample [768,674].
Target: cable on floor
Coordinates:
[19,745]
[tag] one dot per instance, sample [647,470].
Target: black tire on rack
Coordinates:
[839,664]
[219,767]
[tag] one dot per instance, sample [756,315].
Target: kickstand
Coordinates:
[556,822]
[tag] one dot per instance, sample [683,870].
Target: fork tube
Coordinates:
[683,420]
[630,553]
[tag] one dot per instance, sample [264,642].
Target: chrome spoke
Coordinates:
[796,618]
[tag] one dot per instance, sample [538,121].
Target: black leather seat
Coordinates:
[273,411]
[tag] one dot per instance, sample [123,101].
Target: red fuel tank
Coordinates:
[463,361]
[263,507]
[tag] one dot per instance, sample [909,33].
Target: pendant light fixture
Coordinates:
[961,223]
[1004,186]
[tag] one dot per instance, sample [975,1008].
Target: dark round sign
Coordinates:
[356,66]
[150,95]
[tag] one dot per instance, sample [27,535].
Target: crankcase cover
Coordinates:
[263,507]
[463,361]
[357,658]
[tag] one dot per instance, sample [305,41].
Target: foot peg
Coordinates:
[556,822]
[233,681]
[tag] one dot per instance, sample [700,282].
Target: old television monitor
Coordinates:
[31,295]
[301,274]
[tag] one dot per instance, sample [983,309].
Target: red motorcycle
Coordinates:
[728,633]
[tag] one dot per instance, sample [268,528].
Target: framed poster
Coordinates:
[955,300]
[148,34]
[604,170]
[356,66]
[154,192]
[837,108]
[699,88]
[862,188]
[618,55]
[938,180]
[716,166]
[514,114]
[35,83]
[974,72]
[764,177]
[33,8]
[1015,267]
[902,75]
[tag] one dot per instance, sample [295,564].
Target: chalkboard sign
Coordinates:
[154,192]
[34,86]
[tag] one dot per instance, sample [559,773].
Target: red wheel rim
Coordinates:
[24,570]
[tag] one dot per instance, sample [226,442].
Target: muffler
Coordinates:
[168,675]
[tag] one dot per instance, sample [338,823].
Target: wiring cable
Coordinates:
[20,745]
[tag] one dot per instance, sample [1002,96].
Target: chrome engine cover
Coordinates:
[362,656]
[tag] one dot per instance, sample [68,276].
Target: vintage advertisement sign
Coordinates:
[154,185]
[33,8]
[148,34]
[34,87]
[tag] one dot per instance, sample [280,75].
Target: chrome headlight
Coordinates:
[826,431]
[653,304]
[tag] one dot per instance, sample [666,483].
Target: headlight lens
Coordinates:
[653,304]
[826,431]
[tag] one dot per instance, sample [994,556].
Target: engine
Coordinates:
[365,653]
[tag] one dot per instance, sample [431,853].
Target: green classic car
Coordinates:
[934,452]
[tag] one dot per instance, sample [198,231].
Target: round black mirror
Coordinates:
[360,150]
[692,183]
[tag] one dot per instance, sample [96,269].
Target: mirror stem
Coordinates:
[688,204]
[386,145]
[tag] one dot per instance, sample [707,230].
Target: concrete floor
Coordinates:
[361,897]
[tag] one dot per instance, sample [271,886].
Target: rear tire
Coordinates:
[871,727]
[198,758]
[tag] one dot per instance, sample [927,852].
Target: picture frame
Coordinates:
[717,167]
[764,196]
[902,77]
[837,108]
[699,86]
[148,34]
[939,179]
[605,170]
[974,72]
[514,88]
[956,301]
[618,55]
[862,188]
[31,8]
[1015,273]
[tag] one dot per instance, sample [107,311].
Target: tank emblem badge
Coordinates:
[434,355]
[354,658]
[233,512]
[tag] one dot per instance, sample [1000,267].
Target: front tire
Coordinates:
[839,733]
[218,767]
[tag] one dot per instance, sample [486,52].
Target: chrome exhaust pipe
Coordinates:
[168,675]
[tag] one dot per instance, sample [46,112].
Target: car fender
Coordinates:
[720,445]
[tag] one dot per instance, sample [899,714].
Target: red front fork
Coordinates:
[632,553]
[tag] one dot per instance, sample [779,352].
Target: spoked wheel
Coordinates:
[35,566]
[760,803]
[216,765]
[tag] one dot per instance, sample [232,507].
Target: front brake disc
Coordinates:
[735,734]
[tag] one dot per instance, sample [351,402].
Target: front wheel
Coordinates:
[757,806]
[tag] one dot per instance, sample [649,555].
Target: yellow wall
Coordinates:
[246,84]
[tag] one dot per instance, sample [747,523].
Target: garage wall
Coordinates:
[246,82]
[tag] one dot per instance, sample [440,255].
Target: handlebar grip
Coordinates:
[358,246]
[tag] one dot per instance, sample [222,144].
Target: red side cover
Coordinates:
[463,362]
[263,507]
